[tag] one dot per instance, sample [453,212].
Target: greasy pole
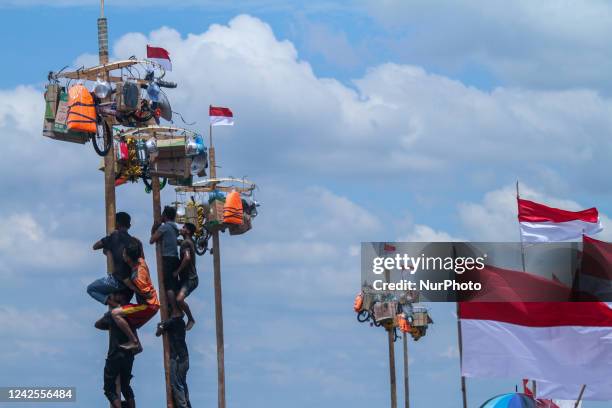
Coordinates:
[162,290]
[406,378]
[109,159]
[218,294]
[392,382]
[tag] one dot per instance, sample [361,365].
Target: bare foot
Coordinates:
[132,346]
[189,324]
[160,329]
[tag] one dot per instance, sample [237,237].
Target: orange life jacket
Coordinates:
[232,210]
[403,324]
[81,110]
[358,303]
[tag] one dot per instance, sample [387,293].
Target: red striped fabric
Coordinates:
[596,258]
[530,211]
[537,314]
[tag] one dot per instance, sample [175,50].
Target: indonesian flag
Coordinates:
[389,248]
[594,278]
[159,55]
[540,223]
[560,342]
[221,116]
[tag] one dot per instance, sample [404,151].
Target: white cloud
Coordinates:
[424,233]
[24,242]
[524,42]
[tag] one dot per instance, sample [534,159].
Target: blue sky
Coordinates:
[360,121]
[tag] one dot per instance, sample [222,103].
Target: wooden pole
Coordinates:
[109,159]
[391,344]
[460,340]
[406,379]
[155,191]
[218,293]
[392,383]
[580,396]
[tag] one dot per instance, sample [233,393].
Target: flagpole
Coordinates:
[406,379]
[580,396]
[460,340]
[391,346]
[217,286]
[460,343]
[518,196]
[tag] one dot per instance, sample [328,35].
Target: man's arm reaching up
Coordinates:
[155,233]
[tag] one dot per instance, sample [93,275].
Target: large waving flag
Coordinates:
[159,55]
[220,116]
[540,223]
[561,342]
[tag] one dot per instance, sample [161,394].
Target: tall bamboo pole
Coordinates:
[218,294]
[393,382]
[406,379]
[109,159]
[155,192]
[391,344]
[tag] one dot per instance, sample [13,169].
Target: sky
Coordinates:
[359,121]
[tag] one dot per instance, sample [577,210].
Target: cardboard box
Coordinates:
[171,148]
[171,168]
[73,137]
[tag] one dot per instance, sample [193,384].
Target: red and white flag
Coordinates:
[389,247]
[220,116]
[565,343]
[159,55]
[540,223]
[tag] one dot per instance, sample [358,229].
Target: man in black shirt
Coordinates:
[179,359]
[186,273]
[119,361]
[114,243]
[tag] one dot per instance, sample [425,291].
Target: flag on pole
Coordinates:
[220,116]
[540,223]
[561,342]
[159,55]
[594,278]
[389,248]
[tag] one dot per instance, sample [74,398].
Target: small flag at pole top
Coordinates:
[389,248]
[220,116]
[159,55]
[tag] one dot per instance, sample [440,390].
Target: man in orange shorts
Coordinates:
[136,315]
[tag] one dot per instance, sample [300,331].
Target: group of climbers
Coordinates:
[130,276]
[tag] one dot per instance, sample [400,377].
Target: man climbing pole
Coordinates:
[167,233]
[119,362]
[186,274]
[179,359]
[114,243]
[136,315]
